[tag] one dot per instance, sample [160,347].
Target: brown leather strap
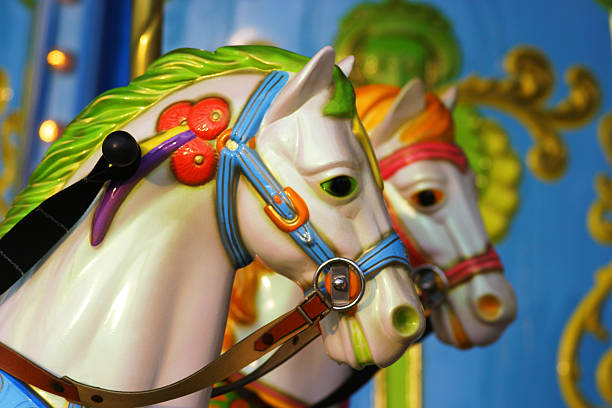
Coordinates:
[284,352]
[304,316]
[18,366]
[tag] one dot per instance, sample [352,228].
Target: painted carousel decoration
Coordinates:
[11,126]
[587,318]
[430,191]
[128,307]
[389,50]
[524,95]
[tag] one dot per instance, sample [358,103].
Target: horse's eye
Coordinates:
[340,186]
[427,198]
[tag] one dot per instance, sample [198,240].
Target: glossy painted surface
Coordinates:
[125,294]
[447,233]
[434,203]
[549,255]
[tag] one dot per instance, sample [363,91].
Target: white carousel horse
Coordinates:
[431,194]
[142,302]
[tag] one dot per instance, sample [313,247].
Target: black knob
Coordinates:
[120,149]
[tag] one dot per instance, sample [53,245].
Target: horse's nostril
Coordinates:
[489,307]
[405,320]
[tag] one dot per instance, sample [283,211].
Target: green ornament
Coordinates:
[396,41]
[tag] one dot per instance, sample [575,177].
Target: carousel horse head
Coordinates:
[246,151]
[432,197]
[328,161]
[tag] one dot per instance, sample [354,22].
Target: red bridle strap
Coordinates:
[486,262]
[458,273]
[423,151]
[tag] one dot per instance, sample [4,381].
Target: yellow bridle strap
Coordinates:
[149,144]
[364,141]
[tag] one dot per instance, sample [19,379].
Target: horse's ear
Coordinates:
[346,65]
[312,79]
[409,103]
[449,98]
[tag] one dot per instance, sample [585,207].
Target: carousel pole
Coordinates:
[145,39]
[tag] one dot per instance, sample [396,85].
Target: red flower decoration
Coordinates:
[173,116]
[194,163]
[209,117]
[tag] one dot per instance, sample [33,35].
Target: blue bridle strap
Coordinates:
[389,251]
[237,158]
[266,185]
[230,166]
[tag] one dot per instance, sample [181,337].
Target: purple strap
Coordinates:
[115,193]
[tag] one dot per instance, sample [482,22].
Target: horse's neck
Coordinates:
[311,374]
[144,308]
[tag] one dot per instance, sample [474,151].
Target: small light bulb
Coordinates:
[49,131]
[59,60]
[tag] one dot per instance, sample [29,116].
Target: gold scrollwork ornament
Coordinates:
[12,124]
[598,222]
[586,319]
[524,93]
[5,91]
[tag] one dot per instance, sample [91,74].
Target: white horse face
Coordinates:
[305,149]
[435,205]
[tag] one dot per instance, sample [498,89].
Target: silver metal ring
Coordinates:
[352,266]
[440,274]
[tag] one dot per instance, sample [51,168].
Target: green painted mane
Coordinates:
[114,108]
